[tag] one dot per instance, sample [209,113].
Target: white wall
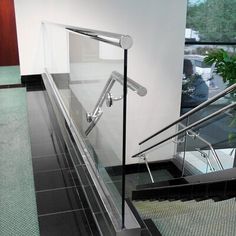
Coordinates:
[155,61]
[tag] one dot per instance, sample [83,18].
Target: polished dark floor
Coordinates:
[62,207]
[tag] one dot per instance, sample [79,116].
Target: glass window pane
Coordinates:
[211,20]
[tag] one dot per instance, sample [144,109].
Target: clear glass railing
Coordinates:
[185,147]
[89,75]
[217,102]
[211,108]
[219,131]
[197,155]
[204,146]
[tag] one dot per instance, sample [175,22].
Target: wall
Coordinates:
[155,61]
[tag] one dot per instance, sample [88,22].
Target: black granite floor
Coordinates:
[62,207]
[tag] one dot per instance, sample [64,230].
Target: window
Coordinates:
[210,25]
[211,20]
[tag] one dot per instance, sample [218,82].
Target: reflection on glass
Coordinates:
[206,147]
[202,82]
[94,100]
[197,155]
[91,66]
[88,77]
[194,89]
[215,138]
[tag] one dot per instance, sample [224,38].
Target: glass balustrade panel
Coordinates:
[84,71]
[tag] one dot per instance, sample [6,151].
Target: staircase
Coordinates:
[202,205]
[201,201]
[184,218]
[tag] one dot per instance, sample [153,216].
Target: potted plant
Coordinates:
[225,64]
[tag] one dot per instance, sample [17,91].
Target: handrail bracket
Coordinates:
[93,117]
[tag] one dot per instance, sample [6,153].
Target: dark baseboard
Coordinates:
[148,228]
[152,227]
[135,212]
[210,190]
[138,167]
[6,86]
[33,82]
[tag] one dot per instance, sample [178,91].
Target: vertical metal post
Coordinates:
[208,157]
[124,137]
[231,154]
[147,165]
[185,144]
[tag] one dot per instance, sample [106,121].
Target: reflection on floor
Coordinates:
[10,75]
[17,195]
[62,206]
[138,175]
[199,164]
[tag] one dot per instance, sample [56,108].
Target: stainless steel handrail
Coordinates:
[215,156]
[187,128]
[120,40]
[232,151]
[201,106]
[125,41]
[95,115]
[133,85]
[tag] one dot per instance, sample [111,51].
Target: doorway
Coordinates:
[9,57]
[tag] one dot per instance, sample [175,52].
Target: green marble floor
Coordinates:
[10,75]
[18,212]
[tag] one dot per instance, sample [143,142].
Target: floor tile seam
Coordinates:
[76,161]
[68,152]
[87,185]
[55,189]
[77,172]
[96,214]
[110,182]
[81,183]
[73,178]
[90,205]
[36,138]
[99,212]
[61,144]
[71,169]
[60,141]
[87,220]
[41,143]
[51,170]
[80,165]
[85,196]
[62,212]
[77,192]
[65,154]
[80,179]
[98,225]
[48,155]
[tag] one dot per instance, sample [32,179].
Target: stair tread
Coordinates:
[191,218]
